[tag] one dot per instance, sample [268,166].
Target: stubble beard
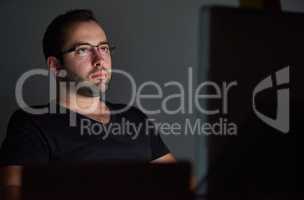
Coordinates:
[84,86]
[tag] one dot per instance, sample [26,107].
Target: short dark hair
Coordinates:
[54,37]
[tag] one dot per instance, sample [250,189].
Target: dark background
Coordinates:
[157,41]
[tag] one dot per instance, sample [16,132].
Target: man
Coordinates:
[78,53]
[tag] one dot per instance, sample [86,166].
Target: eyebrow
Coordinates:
[86,43]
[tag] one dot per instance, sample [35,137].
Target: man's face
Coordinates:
[86,63]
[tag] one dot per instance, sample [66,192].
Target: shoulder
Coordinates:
[28,115]
[24,141]
[27,112]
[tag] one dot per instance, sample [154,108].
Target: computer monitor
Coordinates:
[249,61]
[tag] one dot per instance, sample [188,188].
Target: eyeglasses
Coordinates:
[86,49]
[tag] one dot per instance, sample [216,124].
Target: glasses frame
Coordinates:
[73,49]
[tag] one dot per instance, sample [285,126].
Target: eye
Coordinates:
[104,49]
[83,50]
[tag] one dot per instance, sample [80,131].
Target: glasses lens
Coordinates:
[83,50]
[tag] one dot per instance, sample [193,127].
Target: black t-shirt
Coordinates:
[56,137]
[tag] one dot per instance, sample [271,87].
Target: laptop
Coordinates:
[115,180]
[250,60]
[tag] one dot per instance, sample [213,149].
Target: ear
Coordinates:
[54,64]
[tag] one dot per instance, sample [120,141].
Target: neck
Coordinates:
[69,98]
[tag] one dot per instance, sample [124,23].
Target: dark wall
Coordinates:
[157,41]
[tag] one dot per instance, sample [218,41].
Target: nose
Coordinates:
[97,53]
[97,57]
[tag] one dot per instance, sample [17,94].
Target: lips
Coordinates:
[99,75]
